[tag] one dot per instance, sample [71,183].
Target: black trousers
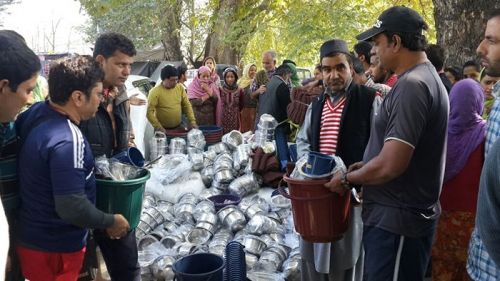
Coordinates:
[390,256]
[120,256]
[15,272]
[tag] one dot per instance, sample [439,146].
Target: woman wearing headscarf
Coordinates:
[464,161]
[212,65]
[249,103]
[231,97]
[203,94]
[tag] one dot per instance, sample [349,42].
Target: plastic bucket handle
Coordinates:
[281,190]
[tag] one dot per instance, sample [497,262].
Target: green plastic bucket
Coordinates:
[122,197]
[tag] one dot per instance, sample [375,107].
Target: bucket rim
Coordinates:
[198,274]
[305,181]
[127,182]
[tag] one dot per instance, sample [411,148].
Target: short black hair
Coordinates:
[455,72]
[487,71]
[18,62]
[471,63]
[363,48]
[108,43]
[415,42]
[181,70]
[357,65]
[435,54]
[168,71]
[494,13]
[289,61]
[69,74]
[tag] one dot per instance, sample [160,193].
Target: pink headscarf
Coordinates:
[195,91]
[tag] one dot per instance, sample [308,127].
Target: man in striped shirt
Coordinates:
[337,122]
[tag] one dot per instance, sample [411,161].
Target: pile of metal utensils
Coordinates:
[261,223]
[193,225]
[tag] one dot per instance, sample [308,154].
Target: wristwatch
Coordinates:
[345,182]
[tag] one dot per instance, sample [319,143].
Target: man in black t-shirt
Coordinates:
[402,171]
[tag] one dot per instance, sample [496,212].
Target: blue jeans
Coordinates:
[390,256]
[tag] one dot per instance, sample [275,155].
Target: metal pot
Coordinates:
[199,236]
[162,268]
[253,244]
[185,249]
[183,210]
[207,226]
[208,192]
[219,148]
[208,217]
[195,137]
[197,161]
[222,213]
[177,145]
[235,220]
[210,155]
[222,187]
[207,175]
[233,139]
[170,241]
[146,241]
[188,198]
[218,250]
[224,176]
[267,121]
[271,260]
[205,206]
[254,210]
[250,260]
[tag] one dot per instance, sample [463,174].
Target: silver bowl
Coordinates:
[198,236]
[233,139]
[218,148]
[235,220]
[267,121]
[162,268]
[210,155]
[253,244]
[254,210]
[209,192]
[188,198]
[218,250]
[207,226]
[146,241]
[250,260]
[170,241]
[222,213]
[224,176]
[209,217]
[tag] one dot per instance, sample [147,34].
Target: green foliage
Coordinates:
[294,28]
[297,31]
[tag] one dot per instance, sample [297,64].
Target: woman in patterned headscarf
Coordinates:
[232,101]
[249,103]
[203,94]
[212,65]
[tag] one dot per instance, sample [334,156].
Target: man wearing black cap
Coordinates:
[404,159]
[337,122]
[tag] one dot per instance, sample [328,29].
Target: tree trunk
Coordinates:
[460,27]
[223,52]
[171,32]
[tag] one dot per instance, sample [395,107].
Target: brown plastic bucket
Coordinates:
[319,214]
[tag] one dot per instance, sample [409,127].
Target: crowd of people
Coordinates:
[418,138]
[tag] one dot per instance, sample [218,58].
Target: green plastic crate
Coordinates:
[122,197]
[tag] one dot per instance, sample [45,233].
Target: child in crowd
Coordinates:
[232,100]
[212,65]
